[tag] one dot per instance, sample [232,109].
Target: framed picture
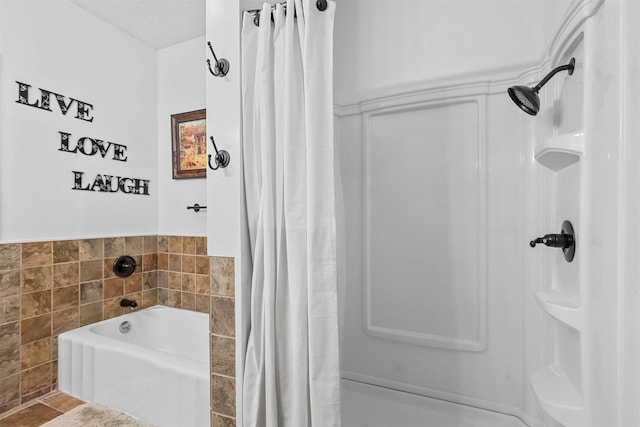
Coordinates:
[189,144]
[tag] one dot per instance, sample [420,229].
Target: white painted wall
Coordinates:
[224,192]
[225,236]
[388,43]
[181,88]
[55,45]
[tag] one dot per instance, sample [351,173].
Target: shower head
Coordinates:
[527,97]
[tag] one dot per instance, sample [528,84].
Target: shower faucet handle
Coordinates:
[537,241]
[566,241]
[553,240]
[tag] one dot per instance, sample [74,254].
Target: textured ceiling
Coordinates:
[157,23]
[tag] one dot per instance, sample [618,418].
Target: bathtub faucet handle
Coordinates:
[131,303]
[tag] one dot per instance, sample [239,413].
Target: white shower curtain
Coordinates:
[292,367]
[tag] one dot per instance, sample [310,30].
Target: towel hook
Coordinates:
[222,157]
[222,66]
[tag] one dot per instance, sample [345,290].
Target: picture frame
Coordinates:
[189,144]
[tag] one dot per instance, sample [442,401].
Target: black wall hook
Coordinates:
[221,68]
[222,157]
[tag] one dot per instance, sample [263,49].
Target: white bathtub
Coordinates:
[157,372]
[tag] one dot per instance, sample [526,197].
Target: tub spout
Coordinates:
[128,303]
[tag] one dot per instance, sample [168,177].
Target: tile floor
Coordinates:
[40,410]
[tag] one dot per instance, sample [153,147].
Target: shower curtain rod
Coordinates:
[320,4]
[273,7]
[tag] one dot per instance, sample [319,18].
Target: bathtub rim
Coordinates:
[85,334]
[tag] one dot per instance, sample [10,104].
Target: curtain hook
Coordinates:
[222,157]
[222,66]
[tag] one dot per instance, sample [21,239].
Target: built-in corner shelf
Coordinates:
[560,151]
[562,307]
[557,396]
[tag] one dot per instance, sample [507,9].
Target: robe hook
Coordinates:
[222,157]
[221,68]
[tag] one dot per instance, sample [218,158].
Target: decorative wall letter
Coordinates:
[86,145]
[83,109]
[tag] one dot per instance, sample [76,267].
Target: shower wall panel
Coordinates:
[433,202]
[424,225]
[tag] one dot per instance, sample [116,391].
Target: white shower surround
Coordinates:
[524,366]
[481,370]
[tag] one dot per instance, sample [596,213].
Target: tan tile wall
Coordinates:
[223,359]
[47,288]
[183,273]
